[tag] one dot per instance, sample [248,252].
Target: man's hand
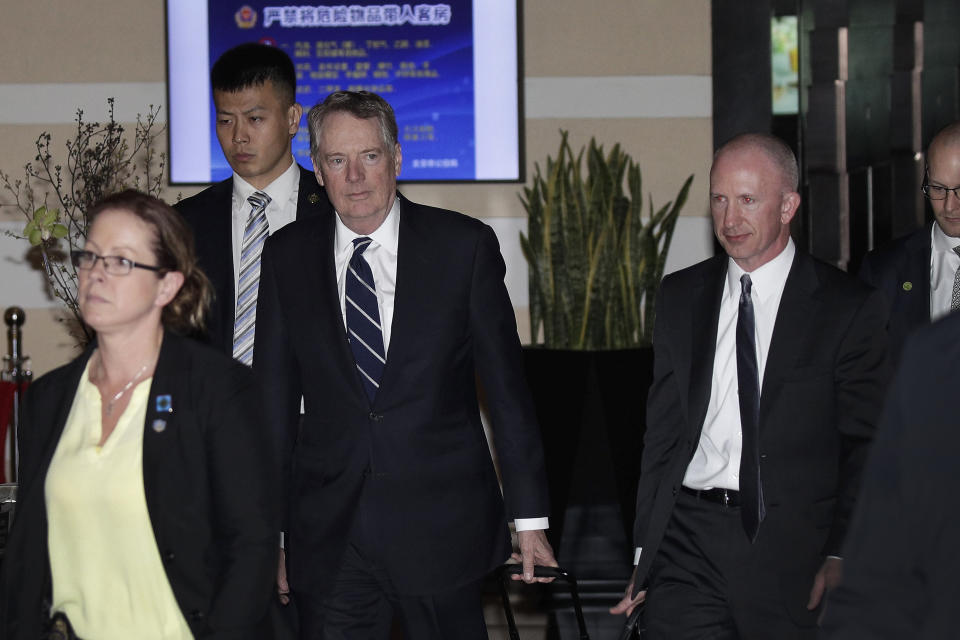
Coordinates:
[628,603]
[534,549]
[825,581]
[283,589]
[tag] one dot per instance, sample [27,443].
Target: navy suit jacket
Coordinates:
[209,213]
[901,271]
[418,452]
[211,494]
[821,393]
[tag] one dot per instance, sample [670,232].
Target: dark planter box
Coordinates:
[591,406]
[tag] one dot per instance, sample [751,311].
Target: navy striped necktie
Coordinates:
[363,319]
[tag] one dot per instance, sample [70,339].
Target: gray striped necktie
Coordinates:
[955,301]
[254,235]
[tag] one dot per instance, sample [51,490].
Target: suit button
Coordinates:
[675,491]
[376,417]
[196,614]
[169,556]
[763,456]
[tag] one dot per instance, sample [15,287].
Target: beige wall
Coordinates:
[572,49]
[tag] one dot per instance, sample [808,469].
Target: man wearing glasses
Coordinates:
[919,274]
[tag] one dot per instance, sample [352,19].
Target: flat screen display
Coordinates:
[450,71]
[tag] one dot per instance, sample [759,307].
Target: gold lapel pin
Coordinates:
[313,198]
[907,286]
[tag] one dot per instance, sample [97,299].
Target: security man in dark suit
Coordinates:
[254,91]
[919,274]
[769,368]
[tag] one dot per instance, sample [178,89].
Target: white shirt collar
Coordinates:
[279,190]
[387,235]
[941,241]
[766,279]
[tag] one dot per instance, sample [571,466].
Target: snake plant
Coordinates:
[595,260]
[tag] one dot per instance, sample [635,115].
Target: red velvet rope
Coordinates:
[7,391]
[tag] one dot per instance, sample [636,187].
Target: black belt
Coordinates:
[725,497]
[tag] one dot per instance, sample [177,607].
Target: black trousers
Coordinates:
[364,604]
[709,582]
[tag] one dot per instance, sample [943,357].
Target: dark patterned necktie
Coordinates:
[363,319]
[748,382]
[248,284]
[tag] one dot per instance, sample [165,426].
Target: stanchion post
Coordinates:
[17,373]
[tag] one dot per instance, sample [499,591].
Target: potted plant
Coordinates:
[101,159]
[596,261]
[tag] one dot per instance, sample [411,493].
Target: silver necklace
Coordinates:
[126,387]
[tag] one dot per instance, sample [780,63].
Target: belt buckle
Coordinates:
[725,497]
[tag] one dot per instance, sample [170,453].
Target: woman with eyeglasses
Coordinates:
[147,505]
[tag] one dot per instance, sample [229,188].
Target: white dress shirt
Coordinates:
[944,263]
[381,255]
[716,462]
[281,211]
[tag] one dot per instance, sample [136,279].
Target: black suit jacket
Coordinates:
[901,271]
[820,397]
[209,214]
[901,568]
[418,452]
[211,493]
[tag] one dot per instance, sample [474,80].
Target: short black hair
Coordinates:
[251,65]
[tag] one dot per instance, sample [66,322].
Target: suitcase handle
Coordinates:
[507,570]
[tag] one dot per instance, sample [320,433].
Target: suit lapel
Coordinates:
[217,236]
[917,271]
[413,276]
[62,405]
[322,279]
[705,314]
[311,197]
[167,398]
[798,303]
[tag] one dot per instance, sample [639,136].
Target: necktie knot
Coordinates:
[258,200]
[360,245]
[746,285]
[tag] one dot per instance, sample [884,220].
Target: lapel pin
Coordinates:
[164,404]
[313,198]
[907,285]
[159,425]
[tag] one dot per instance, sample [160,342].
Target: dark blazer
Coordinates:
[901,271]
[820,397]
[209,213]
[420,446]
[901,562]
[211,493]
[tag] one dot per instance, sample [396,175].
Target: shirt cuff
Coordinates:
[531,524]
[636,556]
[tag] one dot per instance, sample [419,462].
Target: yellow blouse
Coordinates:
[108,577]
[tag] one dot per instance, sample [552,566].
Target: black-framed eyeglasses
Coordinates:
[114,265]
[936,192]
